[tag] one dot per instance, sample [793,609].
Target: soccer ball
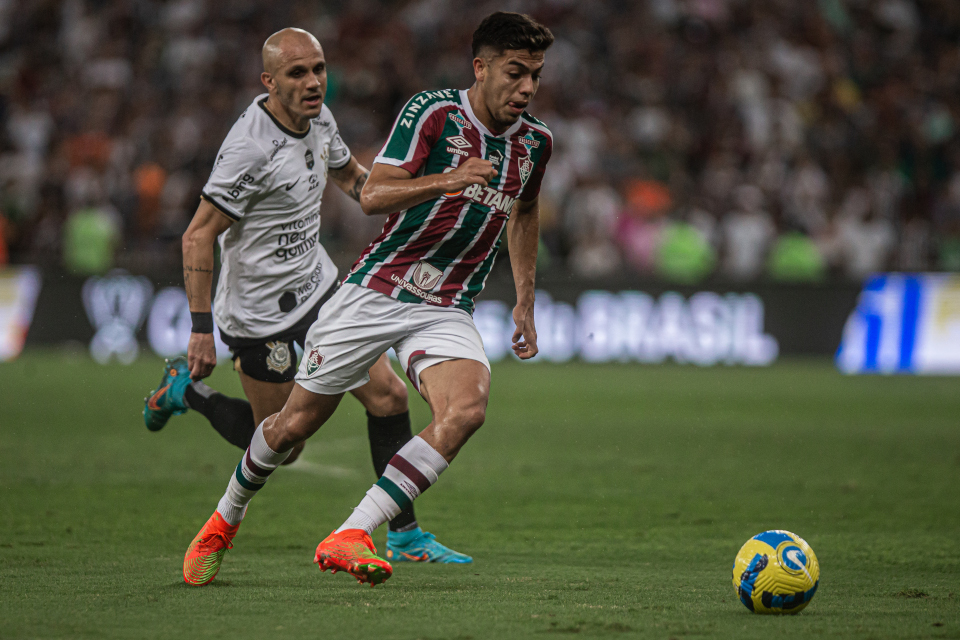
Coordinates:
[776,572]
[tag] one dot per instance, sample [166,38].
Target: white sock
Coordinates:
[410,472]
[255,467]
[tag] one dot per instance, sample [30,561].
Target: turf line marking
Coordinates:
[317,469]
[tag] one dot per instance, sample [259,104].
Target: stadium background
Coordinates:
[778,151]
[732,139]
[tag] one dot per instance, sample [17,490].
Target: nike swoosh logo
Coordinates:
[152,402]
[288,187]
[422,558]
[794,556]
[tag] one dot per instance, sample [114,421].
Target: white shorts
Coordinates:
[358,325]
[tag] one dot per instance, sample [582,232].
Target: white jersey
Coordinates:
[270,181]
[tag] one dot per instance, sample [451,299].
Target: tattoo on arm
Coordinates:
[188,270]
[358,186]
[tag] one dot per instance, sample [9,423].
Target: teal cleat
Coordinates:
[420,546]
[167,400]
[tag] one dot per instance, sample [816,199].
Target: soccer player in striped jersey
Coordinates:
[458,169]
[263,202]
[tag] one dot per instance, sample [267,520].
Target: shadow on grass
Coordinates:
[183,586]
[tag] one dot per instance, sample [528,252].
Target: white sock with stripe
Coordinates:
[410,472]
[255,467]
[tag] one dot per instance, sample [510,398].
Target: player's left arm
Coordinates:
[523,239]
[351,178]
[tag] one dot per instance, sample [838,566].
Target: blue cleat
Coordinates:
[419,546]
[167,400]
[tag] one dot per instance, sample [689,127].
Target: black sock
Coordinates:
[387,436]
[231,417]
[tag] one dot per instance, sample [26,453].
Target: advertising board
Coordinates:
[19,288]
[119,316]
[906,323]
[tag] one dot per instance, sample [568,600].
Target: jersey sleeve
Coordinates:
[238,175]
[532,189]
[339,151]
[414,133]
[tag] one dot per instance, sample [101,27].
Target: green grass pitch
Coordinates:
[597,501]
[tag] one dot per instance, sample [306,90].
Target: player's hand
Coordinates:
[525,337]
[201,355]
[473,171]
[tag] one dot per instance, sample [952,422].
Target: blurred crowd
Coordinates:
[728,139]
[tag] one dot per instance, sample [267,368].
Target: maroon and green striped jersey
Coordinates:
[441,251]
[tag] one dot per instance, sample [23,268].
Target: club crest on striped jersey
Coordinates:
[526,168]
[426,276]
[314,362]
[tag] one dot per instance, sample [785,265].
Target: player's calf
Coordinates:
[301,417]
[457,392]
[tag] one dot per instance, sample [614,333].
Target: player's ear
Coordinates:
[479,69]
[267,80]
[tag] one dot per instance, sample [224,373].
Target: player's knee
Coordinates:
[396,398]
[391,401]
[290,429]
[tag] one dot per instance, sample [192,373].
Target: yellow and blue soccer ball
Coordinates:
[776,572]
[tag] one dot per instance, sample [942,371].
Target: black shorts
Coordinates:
[274,358]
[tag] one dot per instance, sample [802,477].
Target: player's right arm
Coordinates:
[198,262]
[391,188]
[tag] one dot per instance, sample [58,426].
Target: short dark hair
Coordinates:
[504,30]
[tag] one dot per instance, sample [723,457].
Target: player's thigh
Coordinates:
[385,394]
[266,398]
[266,373]
[439,335]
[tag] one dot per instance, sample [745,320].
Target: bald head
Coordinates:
[295,74]
[286,46]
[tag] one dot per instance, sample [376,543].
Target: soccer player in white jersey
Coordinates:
[263,202]
[456,167]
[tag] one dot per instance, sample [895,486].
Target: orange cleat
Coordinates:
[352,551]
[205,553]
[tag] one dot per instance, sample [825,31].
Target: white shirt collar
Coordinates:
[465,101]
